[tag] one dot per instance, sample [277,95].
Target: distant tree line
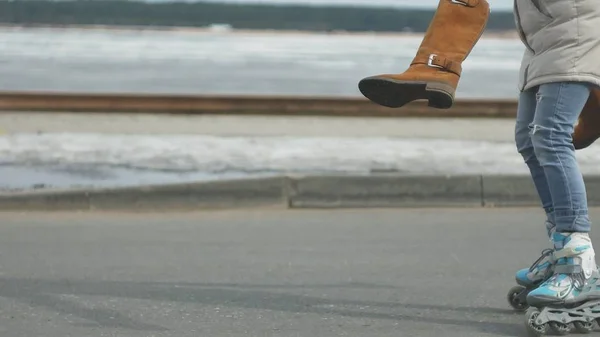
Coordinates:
[306,18]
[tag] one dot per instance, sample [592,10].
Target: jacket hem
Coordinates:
[591,79]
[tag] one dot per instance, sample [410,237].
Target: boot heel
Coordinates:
[440,95]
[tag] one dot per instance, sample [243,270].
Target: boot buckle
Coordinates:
[430,61]
[466,3]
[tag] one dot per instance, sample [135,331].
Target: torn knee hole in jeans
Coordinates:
[534,128]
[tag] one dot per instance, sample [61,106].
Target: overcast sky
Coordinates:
[495,4]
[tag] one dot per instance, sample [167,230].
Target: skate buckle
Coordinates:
[430,61]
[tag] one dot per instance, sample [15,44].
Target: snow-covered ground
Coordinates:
[74,149]
[66,159]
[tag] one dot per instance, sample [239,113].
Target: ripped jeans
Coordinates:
[546,118]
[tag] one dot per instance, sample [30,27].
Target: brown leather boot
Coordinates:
[587,131]
[435,71]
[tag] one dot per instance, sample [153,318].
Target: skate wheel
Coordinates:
[534,329]
[584,328]
[561,329]
[515,298]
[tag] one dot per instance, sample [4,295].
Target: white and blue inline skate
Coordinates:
[530,278]
[570,298]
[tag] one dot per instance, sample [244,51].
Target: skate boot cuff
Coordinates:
[550,228]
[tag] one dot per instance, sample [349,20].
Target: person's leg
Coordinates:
[525,115]
[558,107]
[531,276]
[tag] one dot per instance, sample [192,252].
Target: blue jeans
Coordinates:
[546,118]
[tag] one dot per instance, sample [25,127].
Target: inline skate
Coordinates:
[570,299]
[530,278]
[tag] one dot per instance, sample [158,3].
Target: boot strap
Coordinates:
[436,61]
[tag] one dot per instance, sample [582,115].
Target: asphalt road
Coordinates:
[266,273]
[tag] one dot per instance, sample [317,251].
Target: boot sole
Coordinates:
[393,93]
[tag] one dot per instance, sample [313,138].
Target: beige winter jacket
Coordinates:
[562,40]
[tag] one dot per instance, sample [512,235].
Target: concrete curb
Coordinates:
[293,192]
[204,195]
